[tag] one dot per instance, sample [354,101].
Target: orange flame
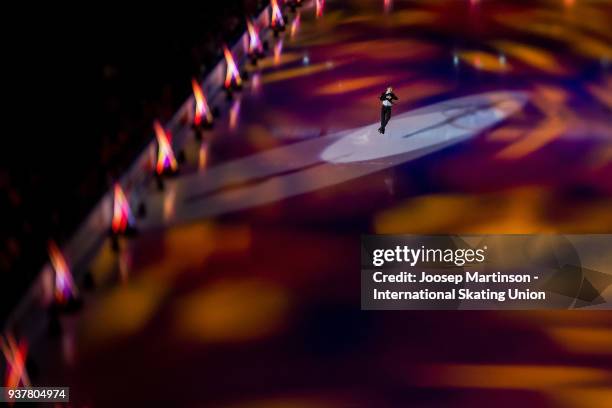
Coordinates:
[295,25]
[15,355]
[201,105]
[122,215]
[165,155]
[277,15]
[232,69]
[65,288]
[254,41]
[319,5]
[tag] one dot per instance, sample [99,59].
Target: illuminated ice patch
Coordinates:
[321,162]
[439,124]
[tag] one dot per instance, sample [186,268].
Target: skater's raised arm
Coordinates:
[388,96]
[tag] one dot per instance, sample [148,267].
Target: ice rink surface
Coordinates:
[242,288]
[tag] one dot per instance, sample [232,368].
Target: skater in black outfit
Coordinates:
[387,99]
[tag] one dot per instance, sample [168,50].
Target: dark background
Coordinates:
[88,82]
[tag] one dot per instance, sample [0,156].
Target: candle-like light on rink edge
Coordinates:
[295,25]
[201,109]
[15,355]
[203,156]
[122,214]
[232,72]
[277,15]
[65,288]
[165,155]
[234,114]
[278,50]
[319,5]
[255,45]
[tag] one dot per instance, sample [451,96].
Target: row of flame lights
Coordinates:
[65,293]
[203,118]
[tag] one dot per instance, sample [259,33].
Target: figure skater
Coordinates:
[387,99]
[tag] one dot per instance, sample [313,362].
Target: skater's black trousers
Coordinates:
[385,115]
